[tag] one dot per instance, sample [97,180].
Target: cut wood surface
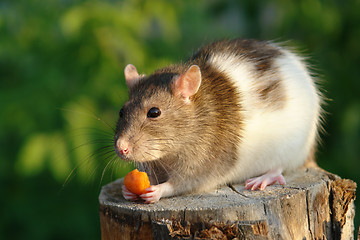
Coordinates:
[313,204]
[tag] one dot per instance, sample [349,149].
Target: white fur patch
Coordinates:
[280,138]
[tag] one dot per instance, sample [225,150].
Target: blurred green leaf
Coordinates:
[60,164]
[42,150]
[33,155]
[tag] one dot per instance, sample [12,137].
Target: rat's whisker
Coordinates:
[166,168]
[110,162]
[150,155]
[138,139]
[91,114]
[152,171]
[160,150]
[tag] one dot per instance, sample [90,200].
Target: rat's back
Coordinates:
[279,101]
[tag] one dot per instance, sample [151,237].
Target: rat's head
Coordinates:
[157,115]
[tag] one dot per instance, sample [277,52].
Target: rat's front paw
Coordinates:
[129,195]
[154,193]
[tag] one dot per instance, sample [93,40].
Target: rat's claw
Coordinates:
[153,194]
[129,195]
[252,183]
[265,180]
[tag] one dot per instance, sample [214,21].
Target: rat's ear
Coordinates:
[188,83]
[131,75]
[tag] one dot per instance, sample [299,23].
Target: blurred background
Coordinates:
[62,85]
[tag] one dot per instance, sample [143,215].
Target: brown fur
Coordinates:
[262,54]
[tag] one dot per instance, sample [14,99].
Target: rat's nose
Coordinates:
[123,147]
[124,151]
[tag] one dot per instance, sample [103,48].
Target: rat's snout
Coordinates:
[124,151]
[123,147]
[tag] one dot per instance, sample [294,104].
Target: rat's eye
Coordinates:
[121,113]
[153,112]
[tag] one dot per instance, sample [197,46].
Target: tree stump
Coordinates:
[313,204]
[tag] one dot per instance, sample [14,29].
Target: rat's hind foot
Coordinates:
[267,179]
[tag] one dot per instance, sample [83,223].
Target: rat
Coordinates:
[237,110]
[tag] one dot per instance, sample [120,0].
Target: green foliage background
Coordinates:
[62,84]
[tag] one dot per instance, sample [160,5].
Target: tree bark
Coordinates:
[314,204]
